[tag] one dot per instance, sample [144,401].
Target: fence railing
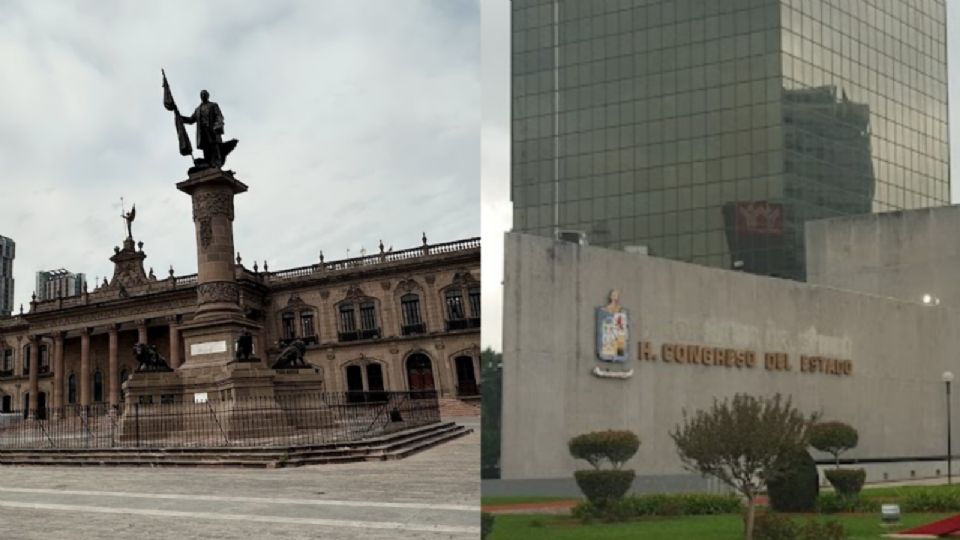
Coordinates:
[283,420]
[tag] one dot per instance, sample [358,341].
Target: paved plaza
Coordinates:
[432,495]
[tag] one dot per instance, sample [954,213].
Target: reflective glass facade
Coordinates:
[710,131]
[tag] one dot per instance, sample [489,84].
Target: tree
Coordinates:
[739,441]
[491,383]
[833,438]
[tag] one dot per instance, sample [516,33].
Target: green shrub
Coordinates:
[821,530]
[599,487]
[797,488]
[847,482]
[834,503]
[833,438]
[772,526]
[486,525]
[660,504]
[931,500]
[611,445]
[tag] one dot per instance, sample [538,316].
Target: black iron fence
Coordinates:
[281,420]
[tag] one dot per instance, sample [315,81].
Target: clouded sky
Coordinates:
[495,190]
[358,121]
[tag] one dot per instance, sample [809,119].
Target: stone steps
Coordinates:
[393,446]
[452,407]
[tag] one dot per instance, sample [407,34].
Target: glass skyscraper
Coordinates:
[711,130]
[8,251]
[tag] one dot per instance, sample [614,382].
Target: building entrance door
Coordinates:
[41,405]
[420,376]
[466,378]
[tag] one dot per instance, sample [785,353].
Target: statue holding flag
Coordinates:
[209,122]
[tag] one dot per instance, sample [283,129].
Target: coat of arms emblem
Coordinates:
[613,330]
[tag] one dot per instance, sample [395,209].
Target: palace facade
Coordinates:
[395,321]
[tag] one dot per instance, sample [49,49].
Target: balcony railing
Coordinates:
[413,329]
[463,324]
[357,335]
[381,258]
[6,373]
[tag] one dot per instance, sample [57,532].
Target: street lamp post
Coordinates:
[947,379]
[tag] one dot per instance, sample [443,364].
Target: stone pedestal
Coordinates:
[212,399]
[234,404]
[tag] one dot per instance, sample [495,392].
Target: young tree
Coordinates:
[491,383]
[833,438]
[739,441]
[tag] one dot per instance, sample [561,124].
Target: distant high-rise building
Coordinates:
[59,283]
[8,250]
[711,131]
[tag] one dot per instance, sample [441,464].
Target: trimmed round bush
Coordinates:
[615,446]
[847,482]
[599,487]
[796,490]
[833,438]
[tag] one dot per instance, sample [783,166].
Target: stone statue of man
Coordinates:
[209,122]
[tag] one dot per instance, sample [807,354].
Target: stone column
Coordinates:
[34,374]
[58,370]
[142,331]
[174,344]
[212,192]
[114,366]
[85,367]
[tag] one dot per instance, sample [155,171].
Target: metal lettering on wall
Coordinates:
[683,353]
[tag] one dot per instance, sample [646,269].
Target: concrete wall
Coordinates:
[894,397]
[896,254]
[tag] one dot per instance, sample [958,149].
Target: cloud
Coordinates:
[358,121]
[495,178]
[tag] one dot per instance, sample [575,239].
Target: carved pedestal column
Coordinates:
[212,192]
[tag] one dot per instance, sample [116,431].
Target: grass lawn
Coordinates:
[727,527]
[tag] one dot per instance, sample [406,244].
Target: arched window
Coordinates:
[410,307]
[72,389]
[297,320]
[352,329]
[6,369]
[44,359]
[98,387]
[461,300]
[288,326]
[7,404]
[354,384]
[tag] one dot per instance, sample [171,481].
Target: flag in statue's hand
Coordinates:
[185,148]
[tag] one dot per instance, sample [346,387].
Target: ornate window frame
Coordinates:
[406,287]
[462,282]
[295,309]
[356,298]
